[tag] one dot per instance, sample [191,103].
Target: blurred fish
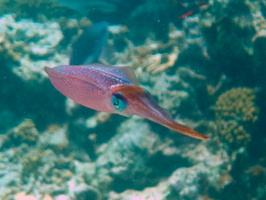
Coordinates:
[86,6]
[98,10]
[88,47]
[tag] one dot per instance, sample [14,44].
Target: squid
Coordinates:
[112,89]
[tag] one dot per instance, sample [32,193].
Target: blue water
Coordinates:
[203,61]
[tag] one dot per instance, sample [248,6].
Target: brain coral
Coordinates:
[238,104]
[236,111]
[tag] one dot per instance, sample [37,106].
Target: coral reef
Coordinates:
[181,183]
[52,148]
[236,111]
[34,9]
[29,46]
[31,163]
[124,158]
[238,104]
[55,138]
[25,132]
[231,30]
[152,56]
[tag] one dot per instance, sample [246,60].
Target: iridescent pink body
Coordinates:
[112,89]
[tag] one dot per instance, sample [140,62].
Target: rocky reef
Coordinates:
[207,69]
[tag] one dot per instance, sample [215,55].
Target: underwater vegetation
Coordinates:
[207,68]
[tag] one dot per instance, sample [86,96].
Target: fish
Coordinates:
[98,10]
[191,7]
[152,10]
[88,47]
[84,7]
[112,89]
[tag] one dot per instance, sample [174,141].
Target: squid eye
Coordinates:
[118,101]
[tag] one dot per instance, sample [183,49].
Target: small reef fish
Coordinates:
[110,10]
[191,7]
[112,89]
[94,37]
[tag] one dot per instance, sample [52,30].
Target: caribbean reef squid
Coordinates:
[112,89]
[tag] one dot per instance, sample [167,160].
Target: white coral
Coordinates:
[31,44]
